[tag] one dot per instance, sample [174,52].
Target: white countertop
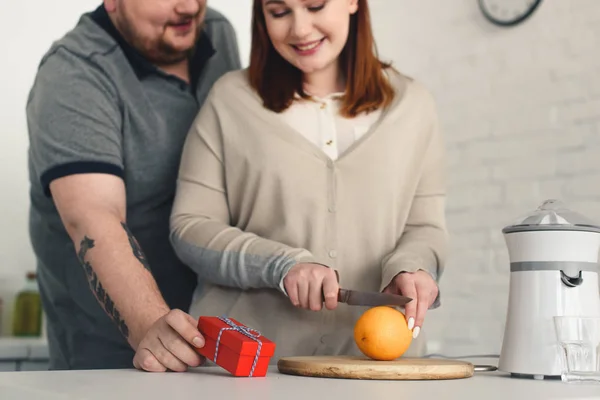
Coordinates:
[215,383]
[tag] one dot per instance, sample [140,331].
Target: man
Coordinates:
[108,115]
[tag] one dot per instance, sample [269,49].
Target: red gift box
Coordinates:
[238,349]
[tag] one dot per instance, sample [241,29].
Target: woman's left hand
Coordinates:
[422,288]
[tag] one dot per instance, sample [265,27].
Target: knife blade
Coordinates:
[358,298]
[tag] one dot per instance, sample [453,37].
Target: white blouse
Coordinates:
[320,122]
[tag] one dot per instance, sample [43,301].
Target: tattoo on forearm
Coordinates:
[98,289]
[135,246]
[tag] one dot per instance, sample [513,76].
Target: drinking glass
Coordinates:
[579,344]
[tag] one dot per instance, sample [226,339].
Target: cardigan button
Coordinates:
[332,253]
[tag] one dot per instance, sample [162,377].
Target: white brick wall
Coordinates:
[520,108]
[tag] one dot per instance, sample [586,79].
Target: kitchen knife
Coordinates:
[373,299]
[358,298]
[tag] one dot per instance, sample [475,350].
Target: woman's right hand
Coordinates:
[307,284]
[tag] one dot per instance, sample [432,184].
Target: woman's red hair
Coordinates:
[277,81]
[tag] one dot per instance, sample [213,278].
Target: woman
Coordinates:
[317,158]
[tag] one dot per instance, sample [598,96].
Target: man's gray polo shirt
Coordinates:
[97,106]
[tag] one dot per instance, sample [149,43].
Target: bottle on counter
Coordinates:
[27,316]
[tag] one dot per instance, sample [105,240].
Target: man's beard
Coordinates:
[163,54]
[156,50]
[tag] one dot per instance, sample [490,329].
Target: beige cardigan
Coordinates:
[254,197]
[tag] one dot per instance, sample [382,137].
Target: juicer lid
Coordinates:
[552,215]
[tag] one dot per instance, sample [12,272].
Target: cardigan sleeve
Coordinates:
[423,243]
[201,233]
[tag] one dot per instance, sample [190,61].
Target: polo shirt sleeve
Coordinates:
[74,120]
[226,43]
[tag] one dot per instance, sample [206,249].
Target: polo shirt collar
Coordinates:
[202,53]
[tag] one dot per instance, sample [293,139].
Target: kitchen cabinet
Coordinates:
[33,365]
[23,354]
[8,366]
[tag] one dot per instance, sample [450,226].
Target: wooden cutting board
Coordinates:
[350,367]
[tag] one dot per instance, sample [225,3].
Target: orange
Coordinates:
[382,333]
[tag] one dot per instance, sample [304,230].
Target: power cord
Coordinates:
[460,357]
[477,367]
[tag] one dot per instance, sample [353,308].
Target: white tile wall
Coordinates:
[520,108]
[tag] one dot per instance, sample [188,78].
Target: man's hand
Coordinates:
[307,284]
[169,344]
[419,286]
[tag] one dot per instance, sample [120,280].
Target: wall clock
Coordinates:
[508,12]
